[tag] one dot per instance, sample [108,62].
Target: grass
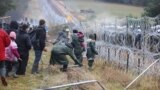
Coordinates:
[104,9]
[108,75]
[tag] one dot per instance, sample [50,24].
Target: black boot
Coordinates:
[35,69]
[4,82]
[64,69]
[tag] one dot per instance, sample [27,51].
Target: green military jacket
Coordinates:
[61,48]
[77,44]
[91,49]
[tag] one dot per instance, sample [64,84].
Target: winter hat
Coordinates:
[75,31]
[67,30]
[91,36]
[14,25]
[12,35]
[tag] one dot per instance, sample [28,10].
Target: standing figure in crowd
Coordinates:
[24,45]
[138,39]
[59,53]
[12,56]
[77,41]
[13,27]
[39,45]
[63,36]
[4,42]
[91,50]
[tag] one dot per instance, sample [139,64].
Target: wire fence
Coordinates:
[131,43]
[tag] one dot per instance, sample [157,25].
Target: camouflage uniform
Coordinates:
[78,49]
[62,37]
[59,52]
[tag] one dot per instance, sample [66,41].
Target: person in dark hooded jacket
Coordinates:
[59,53]
[77,40]
[24,45]
[13,27]
[39,45]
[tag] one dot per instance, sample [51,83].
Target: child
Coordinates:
[91,50]
[12,56]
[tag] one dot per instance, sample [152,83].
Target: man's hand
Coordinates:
[19,59]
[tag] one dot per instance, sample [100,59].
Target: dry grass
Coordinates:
[104,9]
[109,76]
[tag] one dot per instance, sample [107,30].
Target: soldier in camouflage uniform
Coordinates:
[91,50]
[59,53]
[63,36]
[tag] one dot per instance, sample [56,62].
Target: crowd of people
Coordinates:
[17,40]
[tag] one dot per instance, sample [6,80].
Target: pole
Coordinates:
[108,54]
[127,62]
[73,84]
[141,74]
[139,65]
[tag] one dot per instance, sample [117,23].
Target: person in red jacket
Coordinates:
[4,42]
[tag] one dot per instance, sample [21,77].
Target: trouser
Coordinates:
[8,67]
[2,69]
[52,59]
[12,67]
[23,64]
[90,63]
[59,59]
[38,54]
[79,56]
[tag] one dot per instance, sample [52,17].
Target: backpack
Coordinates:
[33,36]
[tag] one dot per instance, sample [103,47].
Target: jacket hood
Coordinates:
[13,35]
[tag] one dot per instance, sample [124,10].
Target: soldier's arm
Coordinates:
[72,55]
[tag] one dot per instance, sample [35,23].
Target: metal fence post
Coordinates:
[127,66]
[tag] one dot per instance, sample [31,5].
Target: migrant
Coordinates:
[12,56]
[39,45]
[24,45]
[91,50]
[4,42]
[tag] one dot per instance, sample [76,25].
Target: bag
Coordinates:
[33,36]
